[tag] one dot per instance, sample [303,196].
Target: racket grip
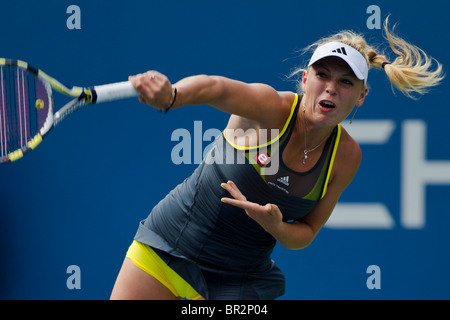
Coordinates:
[115,91]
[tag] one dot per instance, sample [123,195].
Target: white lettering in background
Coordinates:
[416,174]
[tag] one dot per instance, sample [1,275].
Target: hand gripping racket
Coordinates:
[27,107]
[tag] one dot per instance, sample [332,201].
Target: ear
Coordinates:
[362,96]
[304,79]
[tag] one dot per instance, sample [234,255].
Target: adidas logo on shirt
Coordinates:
[340,50]
[284,180]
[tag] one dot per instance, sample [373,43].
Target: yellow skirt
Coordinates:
[146,259]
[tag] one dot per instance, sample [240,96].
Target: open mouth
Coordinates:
[327,105]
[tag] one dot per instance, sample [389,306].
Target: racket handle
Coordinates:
[115,91]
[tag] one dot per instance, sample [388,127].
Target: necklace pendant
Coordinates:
[305,157]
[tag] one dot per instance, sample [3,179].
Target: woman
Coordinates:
[212,236]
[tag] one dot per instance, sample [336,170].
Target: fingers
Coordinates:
[243,204]
[269,208]
[241,201]
[231,187]
[154,88]
[148,77]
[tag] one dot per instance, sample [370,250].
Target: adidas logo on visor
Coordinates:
[340,50]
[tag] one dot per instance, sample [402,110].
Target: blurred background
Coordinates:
[78,198]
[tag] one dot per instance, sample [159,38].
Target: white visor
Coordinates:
[354,59]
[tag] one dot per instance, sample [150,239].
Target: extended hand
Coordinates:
[268,216]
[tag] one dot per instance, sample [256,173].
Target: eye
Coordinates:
[321,74]
[347,82]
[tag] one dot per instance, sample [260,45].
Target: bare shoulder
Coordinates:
[270,109]
[279,110]
[287,99]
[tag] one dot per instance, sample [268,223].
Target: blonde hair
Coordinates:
[410,71]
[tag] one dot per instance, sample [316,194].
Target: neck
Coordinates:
[315,133]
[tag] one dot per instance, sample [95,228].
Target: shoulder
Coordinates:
[278,110]
[270,108]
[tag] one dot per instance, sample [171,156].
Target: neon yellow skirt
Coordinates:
[147,260]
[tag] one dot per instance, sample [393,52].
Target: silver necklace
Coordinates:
[306,151]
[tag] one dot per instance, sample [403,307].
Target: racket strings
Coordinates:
[22,108]
[15,109]
[26,109]
[3,147]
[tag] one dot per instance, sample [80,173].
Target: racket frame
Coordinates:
[82,97]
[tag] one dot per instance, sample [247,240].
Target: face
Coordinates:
[331,90]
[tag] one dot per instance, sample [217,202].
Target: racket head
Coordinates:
[26,108]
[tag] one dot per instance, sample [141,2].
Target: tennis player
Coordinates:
[212,236]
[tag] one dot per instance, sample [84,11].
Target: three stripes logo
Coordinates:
[284,180]
[340,50]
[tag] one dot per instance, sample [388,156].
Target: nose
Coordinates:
[331,88]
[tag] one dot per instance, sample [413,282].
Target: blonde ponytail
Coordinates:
[411,70]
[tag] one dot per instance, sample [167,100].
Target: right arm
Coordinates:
[257,102]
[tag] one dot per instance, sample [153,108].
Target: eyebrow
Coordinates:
[323,65]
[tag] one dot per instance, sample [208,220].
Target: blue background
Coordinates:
[77,199]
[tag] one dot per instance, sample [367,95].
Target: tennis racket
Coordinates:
[27,106]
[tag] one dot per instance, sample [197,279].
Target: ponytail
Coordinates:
[411,70]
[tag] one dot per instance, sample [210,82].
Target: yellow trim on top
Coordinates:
[33,143]
[15,155]
[238,147]
[22,64]
[336,144]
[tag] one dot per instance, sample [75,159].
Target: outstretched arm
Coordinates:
[258,102]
